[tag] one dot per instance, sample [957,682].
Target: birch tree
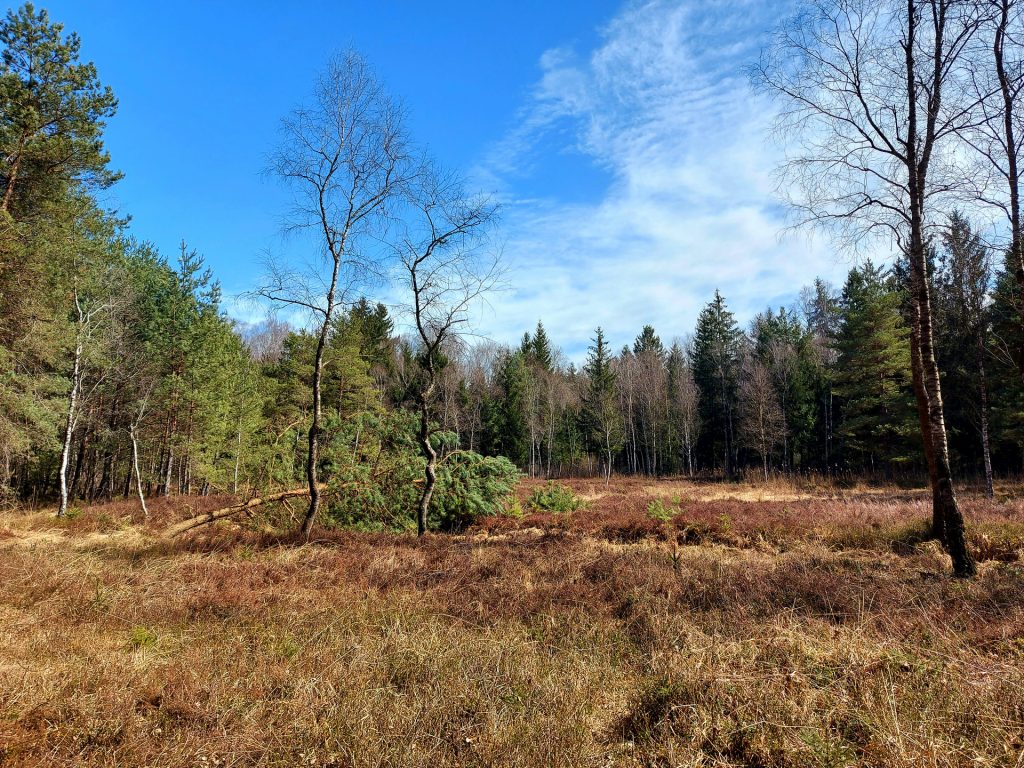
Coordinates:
[346,158]
[874,94]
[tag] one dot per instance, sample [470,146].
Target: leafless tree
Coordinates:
[875,97]
[762,422]
[346,158]
[265,340]
[447,266]
[997,80]
[652,392]
[90,316]
[477,363]
[683,401]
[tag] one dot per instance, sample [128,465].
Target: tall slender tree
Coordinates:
[347,159]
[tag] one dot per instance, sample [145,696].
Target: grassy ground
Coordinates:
[662,625]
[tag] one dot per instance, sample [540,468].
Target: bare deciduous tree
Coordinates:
[346,158]
[762,422]
[874,92]
[997,81]
[447,265]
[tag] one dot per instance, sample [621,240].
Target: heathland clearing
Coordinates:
[669,622]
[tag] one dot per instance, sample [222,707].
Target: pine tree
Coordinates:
[52,113]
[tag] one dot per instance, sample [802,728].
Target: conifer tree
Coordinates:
[541,348]
[715,361]
[873,377]
[505,418]
[52,112]
[602,418]
[962,283]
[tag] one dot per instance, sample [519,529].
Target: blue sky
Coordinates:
[632,162]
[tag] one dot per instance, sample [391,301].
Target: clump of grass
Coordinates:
[142,637]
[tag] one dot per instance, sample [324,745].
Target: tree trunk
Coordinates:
[170,471]
[313,456]
[234,509]
[135,469]
[944,502]
[918,148]
[430,474]
[924,421]
[238,457]
[74,490]
[13,178]
[983,387]
[1006,89]
[69,428]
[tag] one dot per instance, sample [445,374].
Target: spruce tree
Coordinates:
[541,348]
[962,284]
[715,362]
[873,377]
[506,432]
[648,341]
[601,414]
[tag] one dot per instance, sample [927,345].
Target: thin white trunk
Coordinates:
[69,427]
[135,469]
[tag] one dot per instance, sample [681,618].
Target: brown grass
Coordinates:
[810,632]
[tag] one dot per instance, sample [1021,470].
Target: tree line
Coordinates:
[824,386]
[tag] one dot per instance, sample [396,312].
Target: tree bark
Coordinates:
[429,473]
[918,149]
[135,469]
[924,420]
[313,456]
[234,509]
[1013,180]
[69,427]
[13,178]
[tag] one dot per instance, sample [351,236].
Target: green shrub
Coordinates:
[554,497]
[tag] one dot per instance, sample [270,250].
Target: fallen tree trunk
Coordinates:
[234,509]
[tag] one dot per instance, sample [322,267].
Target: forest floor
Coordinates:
[663,624]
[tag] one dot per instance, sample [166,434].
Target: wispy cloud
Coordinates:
[662,105]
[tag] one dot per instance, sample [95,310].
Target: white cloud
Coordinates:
[663,106]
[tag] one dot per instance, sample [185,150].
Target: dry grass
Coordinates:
[805,632]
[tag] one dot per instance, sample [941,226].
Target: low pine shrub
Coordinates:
[658,510]
[554,497]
